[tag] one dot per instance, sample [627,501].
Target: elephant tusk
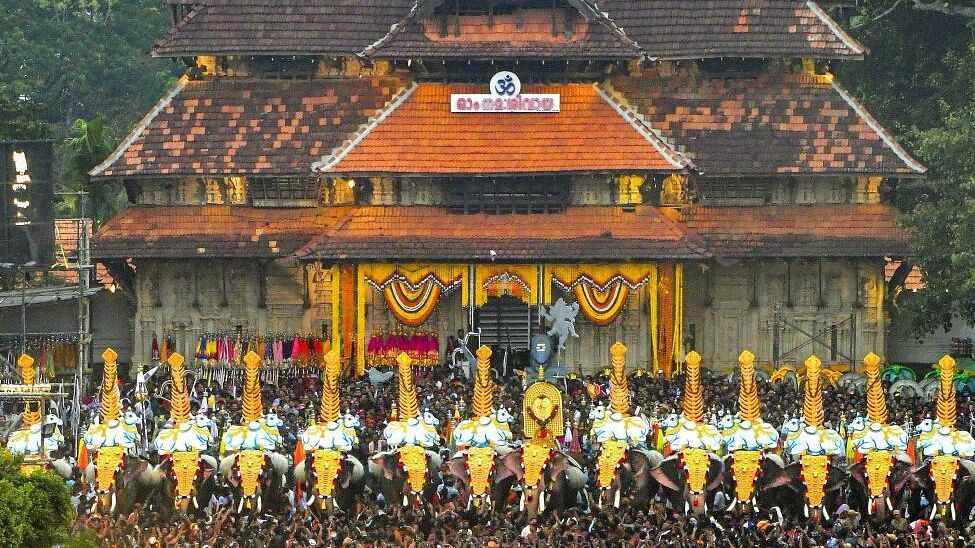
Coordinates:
[731,506]
[406,501]
[240,507]
[687,507]
[521,503]
[825,513]
[259,502]
[890,505]
[112,510]
[616,499]
[805,510]
[933,512]
[952,505]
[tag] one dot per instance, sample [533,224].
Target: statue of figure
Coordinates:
[563,320]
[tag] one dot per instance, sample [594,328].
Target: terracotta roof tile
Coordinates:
[822,230]
[211,231]
[771,124]
[247,126]
[421,135]
[578,234]
[695,29]
[914,280]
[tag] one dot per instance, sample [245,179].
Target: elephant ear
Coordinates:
[837,478]
[778,474]
[458,468]
[857,471]
[210,466]
[386,462]
[667,473]
[715,473]
[509,465]
[653,458]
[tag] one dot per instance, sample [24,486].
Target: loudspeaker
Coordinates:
[27,208]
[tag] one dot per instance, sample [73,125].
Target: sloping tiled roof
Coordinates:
[914,280]
[770,124]
[694,29]
[526,34]
[578,234]
[668,29]
[419,134]
[210,231]
[822,230]
[247,126]
[283,27]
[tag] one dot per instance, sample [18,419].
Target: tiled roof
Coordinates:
[247,126]
[669,29]
[284,27]
[692,29]
[526,34]
[210,231]
[822,230]
[770,124]
[419,134]
[914,280]
[578,234]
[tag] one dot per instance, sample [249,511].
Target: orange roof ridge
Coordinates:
[418,134]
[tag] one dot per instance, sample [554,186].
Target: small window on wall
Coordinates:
[499,196]
[284,192]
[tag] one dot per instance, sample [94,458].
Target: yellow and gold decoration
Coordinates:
[29,441]
[113,436]
[877,442]
[252,403]
[181,442]
[480,437]
[749,437]
[615,430]
[810,441]
[942,443]
[543,420]
[32,410]
[411,435]
[694,440]
[325,444]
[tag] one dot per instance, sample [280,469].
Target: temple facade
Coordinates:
[681,175]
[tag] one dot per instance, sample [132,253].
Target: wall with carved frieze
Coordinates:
[185,298]
[785,308]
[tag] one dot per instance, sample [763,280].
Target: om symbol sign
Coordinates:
[505,84]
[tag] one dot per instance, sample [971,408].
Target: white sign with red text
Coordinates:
[505,96]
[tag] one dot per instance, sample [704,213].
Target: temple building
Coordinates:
[688,175]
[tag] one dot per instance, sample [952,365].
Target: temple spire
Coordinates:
[110,396]
[483,404]
[409,408]
[812,404]
[876,401]
[693,391]
[253,404]
[328,410]
[179,398]
[619,389]
[945,406]
[749,406]
[32,411]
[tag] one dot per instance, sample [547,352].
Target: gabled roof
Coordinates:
[658,29]
[819,230]
[575,31]
[432,233]
[418,134]
[212,231]
[247,126]
[695,29]
[281,27]
[774,123]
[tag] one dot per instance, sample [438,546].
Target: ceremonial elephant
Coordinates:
[563,481]
[256,476]
[673,476]
[183,480]
[129,485]
[879,506]
[772,485]
[633,479]
[393,480]
[348,481]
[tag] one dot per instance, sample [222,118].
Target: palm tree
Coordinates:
[90,143]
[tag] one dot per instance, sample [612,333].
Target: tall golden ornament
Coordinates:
[693,390]
[110,396]
[253,405]
[409,407]
[812,403]
[32,411]
[483,403]
[945,406]
[619,389]
[876,402]
[179,398]
[329,408]
[748,404]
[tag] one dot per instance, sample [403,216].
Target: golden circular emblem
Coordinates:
[542,408]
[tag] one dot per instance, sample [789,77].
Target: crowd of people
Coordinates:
[448,521]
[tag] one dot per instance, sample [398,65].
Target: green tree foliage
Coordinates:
[919,79]
[72,59]
[35,510]
[91,141]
